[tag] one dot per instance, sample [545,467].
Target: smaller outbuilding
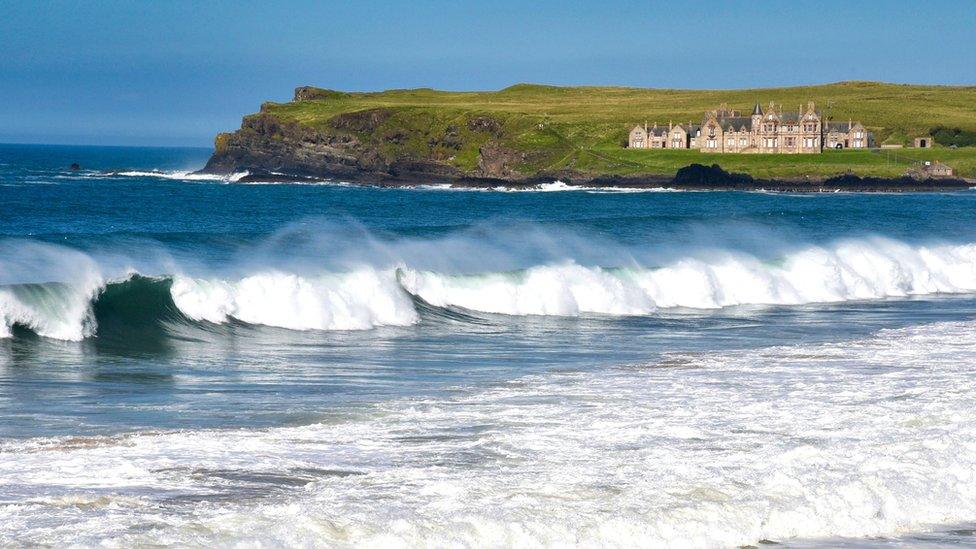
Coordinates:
[928,170]
[923,143]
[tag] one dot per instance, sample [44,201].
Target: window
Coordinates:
[790,141]
[710,143]
[729,143]
[809,127]
[743,142]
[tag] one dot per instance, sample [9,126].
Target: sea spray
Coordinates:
[47,289]
[344,277]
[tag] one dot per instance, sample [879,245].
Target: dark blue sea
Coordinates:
[189,360]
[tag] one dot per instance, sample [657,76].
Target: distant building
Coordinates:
[923,142]
[672,137]
[847,135]
[725,130]
[935,169]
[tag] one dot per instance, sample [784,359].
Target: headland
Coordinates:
[527,135]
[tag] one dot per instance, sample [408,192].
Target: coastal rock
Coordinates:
[361,121]
[484,124]
[697,175]
[497,161]
[369,145]
[309,93]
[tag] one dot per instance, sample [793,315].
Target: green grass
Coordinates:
[584,128]
[882,163]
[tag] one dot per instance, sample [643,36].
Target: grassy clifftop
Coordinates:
[531,129]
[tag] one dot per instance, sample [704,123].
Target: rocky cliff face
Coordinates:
[375,144]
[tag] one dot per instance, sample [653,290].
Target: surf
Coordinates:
[365,283]
[851,270]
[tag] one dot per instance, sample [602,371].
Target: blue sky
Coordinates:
[177,72]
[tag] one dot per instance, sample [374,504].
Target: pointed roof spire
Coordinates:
[757,110]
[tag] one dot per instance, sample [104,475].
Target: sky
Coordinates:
[174,73]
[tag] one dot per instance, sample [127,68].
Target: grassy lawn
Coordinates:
[881,163]
[585,128]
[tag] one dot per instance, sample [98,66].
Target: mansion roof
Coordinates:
[840,127]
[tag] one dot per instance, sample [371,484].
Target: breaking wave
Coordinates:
[357,300]
[352,301]
[383,284]
[183,175]
[851,270]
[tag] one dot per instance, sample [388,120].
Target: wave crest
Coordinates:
[853,270]
[357,300]
[184,175]
[368,296]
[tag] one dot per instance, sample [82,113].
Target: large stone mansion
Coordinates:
[724,130]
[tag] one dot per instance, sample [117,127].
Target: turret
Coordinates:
[757,114]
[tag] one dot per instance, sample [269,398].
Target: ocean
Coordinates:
[187,360]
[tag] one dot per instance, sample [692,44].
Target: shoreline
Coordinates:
[695,177]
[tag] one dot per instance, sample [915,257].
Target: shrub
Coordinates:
[953,136]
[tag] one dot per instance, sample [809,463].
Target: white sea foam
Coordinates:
[873,437]
[861,269]
[355,300]
[184,175]
[554,186]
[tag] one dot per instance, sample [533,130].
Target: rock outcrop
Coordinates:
[364,145]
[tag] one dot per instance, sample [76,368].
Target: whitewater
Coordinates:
[871,437]
[192,361]
[383,291]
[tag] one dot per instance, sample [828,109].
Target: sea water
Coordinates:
[189,360]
